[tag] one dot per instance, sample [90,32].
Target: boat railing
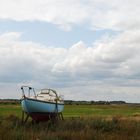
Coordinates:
[51,92]
[61,97]
[28,91]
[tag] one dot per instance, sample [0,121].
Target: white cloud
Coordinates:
[117,56]
[111,66]
[110,14]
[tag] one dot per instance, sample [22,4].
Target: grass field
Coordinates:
[83,122]
[81,110]
[101,110]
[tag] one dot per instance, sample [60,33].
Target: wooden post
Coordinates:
[22,117]
[61,116]
[24,120]
[27,116]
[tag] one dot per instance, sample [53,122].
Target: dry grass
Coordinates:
[84,128]
[82,122]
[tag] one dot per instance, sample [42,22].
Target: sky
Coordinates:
[84,49]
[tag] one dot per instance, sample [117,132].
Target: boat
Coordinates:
[42,106]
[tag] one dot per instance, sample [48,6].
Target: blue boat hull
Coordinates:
[40,110]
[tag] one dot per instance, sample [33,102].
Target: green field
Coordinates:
[83,122]
[101,110]
[81,110]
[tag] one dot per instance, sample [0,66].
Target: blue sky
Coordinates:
[50,35]
[85,49]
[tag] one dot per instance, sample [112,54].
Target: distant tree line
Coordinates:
[71,102]
[68,102]
[9,101]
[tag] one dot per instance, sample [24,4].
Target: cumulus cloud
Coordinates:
[117,56]
[99,14]
[112,64]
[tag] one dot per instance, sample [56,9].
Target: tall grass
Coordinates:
[80,124]
[89,128]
